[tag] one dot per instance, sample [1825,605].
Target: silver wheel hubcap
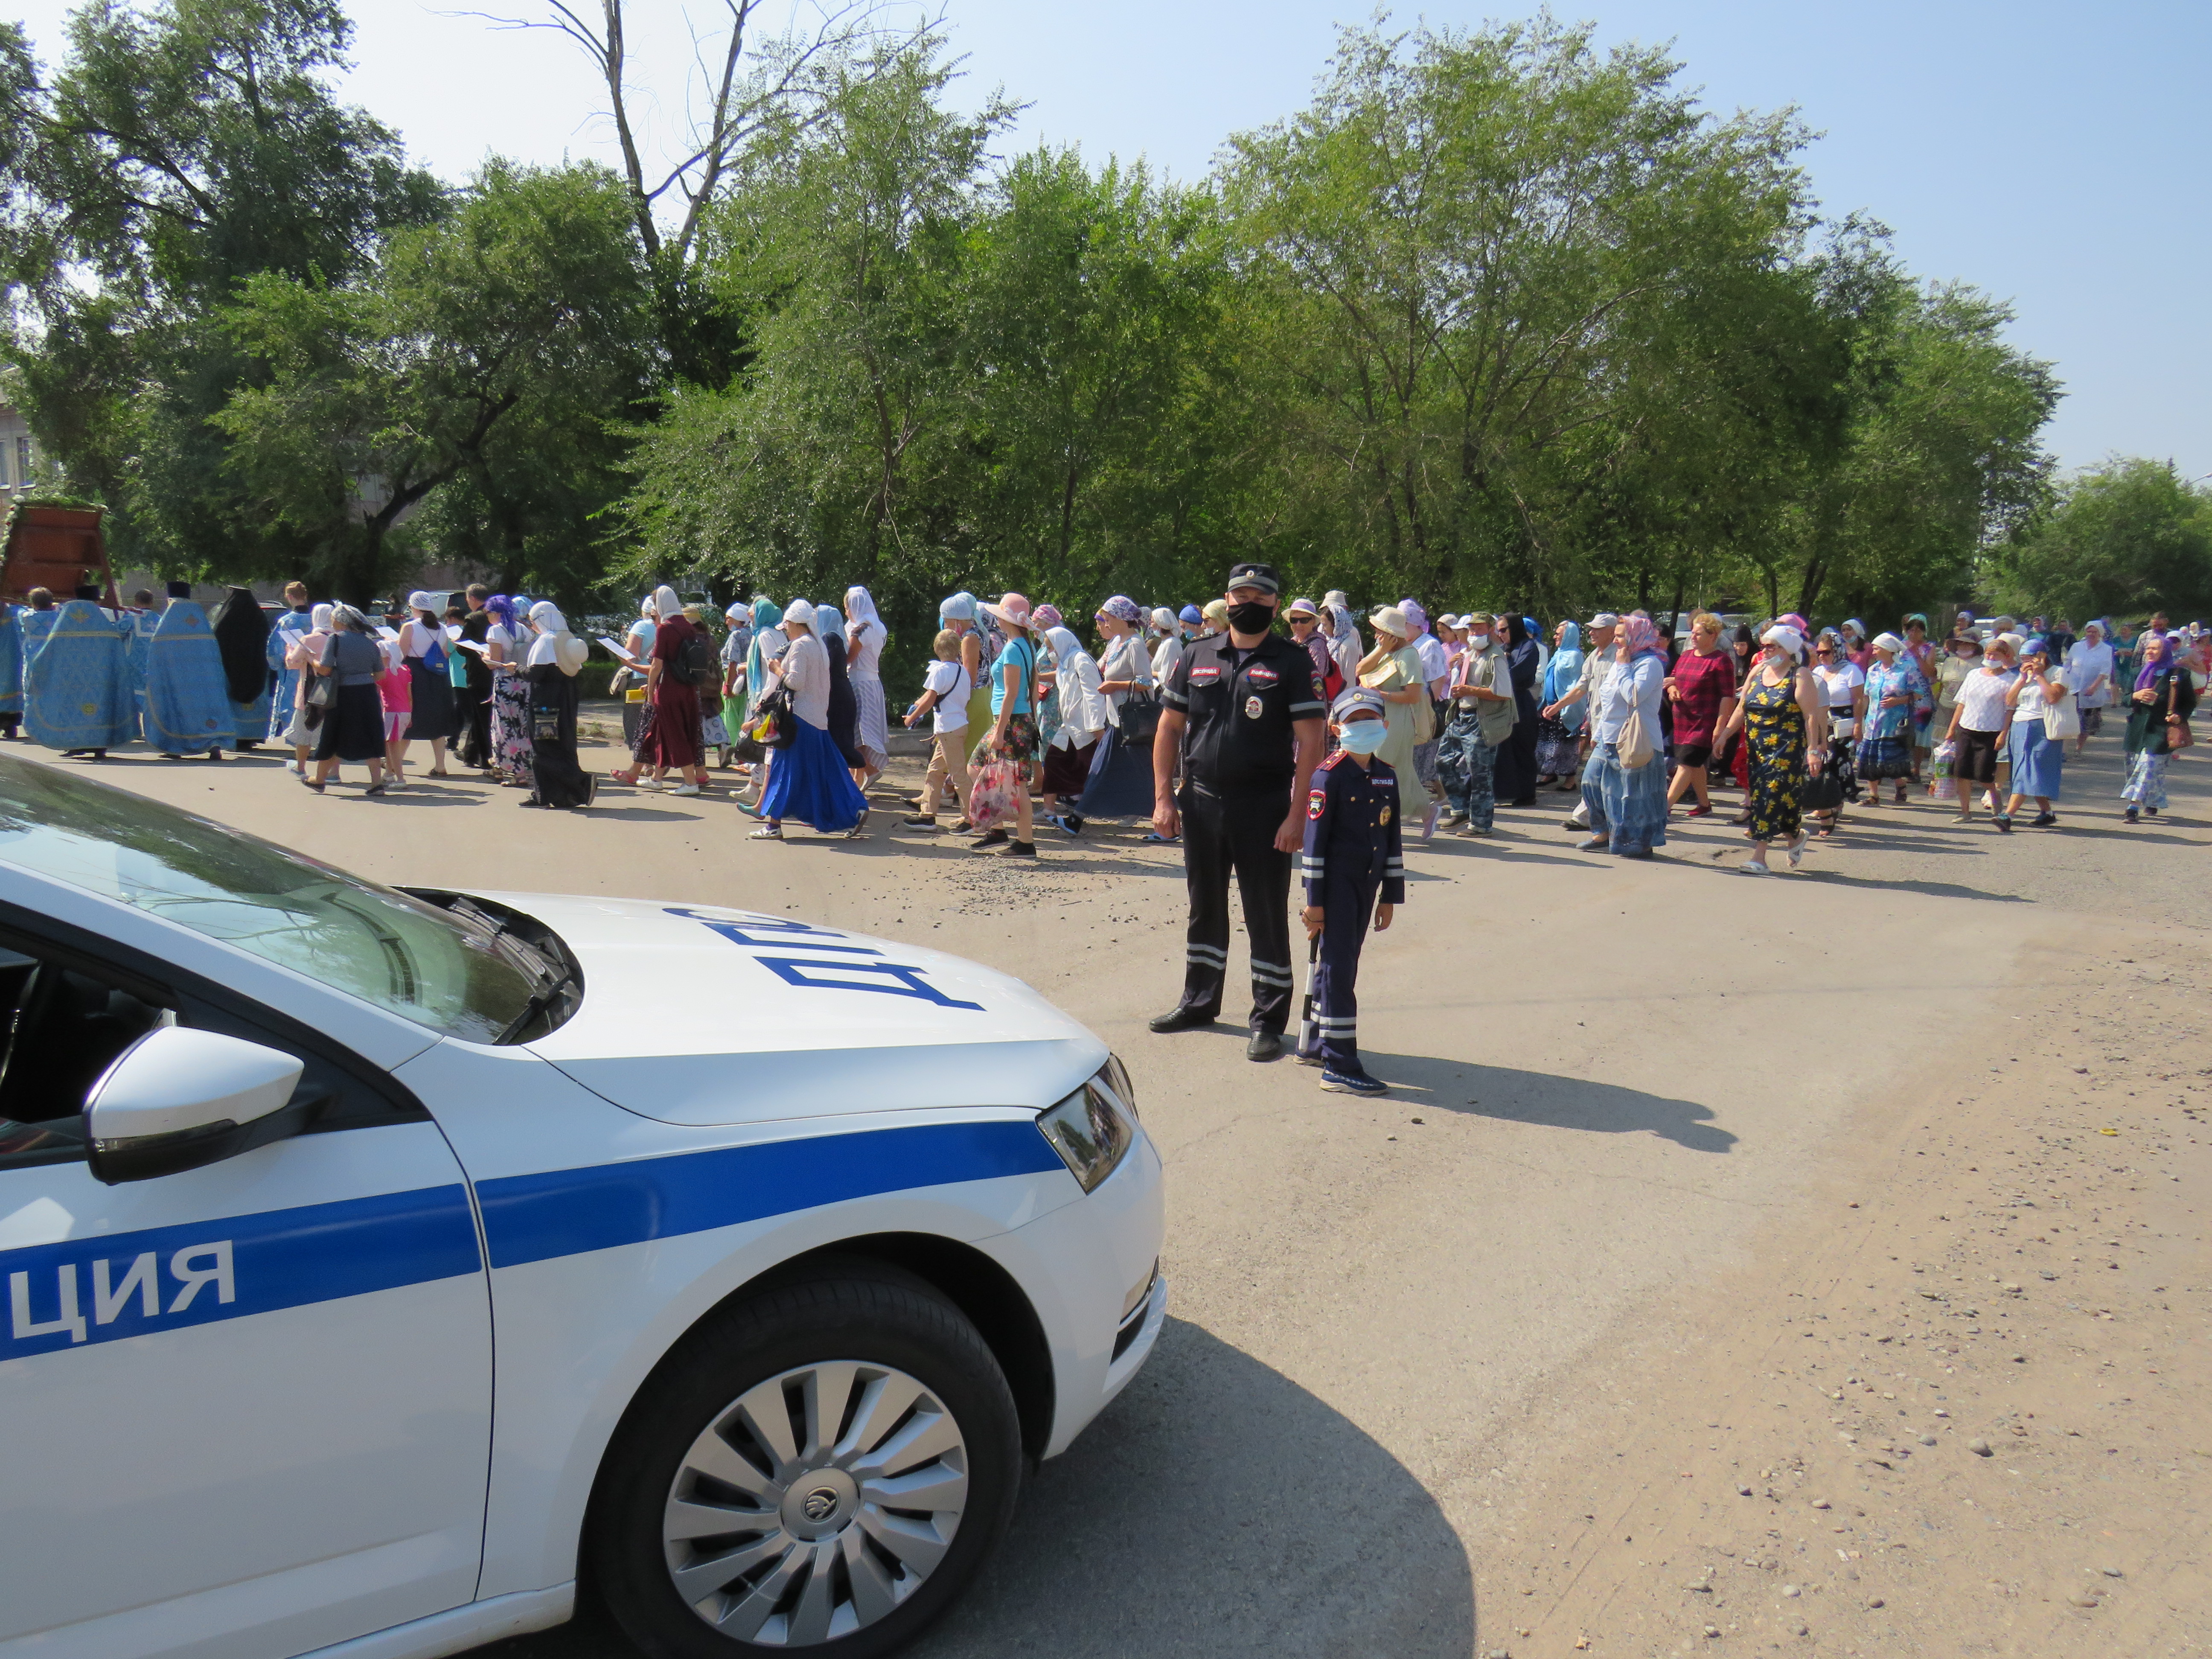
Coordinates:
[815,1502]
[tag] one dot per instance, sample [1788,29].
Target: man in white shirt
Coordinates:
[1588,687]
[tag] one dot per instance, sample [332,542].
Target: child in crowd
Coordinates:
[394,688]
[1354,867]
[945,700]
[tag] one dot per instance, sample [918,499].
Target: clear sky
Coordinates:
[2055,155]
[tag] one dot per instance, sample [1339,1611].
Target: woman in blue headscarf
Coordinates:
[844,707]
[769,642]
[1558,737]
[962,614]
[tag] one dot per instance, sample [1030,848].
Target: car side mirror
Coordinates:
[179,1099]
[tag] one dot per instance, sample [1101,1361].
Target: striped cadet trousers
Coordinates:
[1222,834]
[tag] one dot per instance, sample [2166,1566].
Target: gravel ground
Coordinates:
[1499,1354]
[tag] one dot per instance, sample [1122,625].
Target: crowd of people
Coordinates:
[1029,724]
[489,678]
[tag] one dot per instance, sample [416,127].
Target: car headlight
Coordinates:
[1093,1128]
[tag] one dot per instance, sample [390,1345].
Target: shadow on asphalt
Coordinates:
[1564,1103]
[1215,1507]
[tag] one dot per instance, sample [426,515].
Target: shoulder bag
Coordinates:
[2061,720]
[1633,747]
[1425,711]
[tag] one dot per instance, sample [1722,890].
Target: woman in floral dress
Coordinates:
[1896,696]
[506,646]
[1784,719]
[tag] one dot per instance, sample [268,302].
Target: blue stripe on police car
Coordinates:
[118,1284]
[534,1217]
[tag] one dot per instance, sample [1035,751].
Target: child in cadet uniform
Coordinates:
[1353,859]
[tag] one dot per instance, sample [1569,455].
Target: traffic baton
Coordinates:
[1309,1031]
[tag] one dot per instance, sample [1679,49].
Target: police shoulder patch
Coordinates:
[1315,802]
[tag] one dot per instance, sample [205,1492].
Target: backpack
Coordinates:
[694,661]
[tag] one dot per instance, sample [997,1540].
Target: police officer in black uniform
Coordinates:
[1243,711]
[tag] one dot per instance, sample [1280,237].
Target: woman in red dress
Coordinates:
[1700,687]
[671,738]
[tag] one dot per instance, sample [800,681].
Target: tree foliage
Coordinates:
[1499,318]
[180,154]
[2122,540]
[484,351]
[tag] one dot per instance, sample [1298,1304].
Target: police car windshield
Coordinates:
[427,965]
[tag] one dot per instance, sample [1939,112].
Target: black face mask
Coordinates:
[1250,617]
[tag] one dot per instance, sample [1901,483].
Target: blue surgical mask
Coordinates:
[1363,736]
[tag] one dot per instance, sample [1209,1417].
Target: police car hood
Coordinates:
[696,1014]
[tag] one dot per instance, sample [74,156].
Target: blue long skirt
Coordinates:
[2036,760]
[1628,808]
[809,782]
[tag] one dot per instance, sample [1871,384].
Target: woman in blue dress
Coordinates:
[2038,759]
[1896,696]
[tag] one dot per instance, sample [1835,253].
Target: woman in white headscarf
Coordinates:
[670,738]
[1783,715]
[809,781]
[556,654]
[1083,720]
[865,635]
[1343,634]
[302,652]
[423,646]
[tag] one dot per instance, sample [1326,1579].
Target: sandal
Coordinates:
[767,832]
[1797,851]
[309,783]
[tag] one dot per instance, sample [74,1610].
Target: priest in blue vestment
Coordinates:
[187,695]
[76,687]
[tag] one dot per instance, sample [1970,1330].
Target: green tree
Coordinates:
[1938,460]
[181,153]
[1093,304]
[479,352]
[842,247]
[2121,540]
[1472,249]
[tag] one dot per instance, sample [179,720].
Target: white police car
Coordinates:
[378,1266]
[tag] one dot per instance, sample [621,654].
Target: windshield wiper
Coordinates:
[538,1005]
[530,946]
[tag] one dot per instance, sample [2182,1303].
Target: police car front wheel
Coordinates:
[821,1468]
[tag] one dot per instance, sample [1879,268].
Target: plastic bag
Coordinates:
[1941,786]
[991,803]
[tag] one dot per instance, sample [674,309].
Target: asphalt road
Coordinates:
[1608,1078]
